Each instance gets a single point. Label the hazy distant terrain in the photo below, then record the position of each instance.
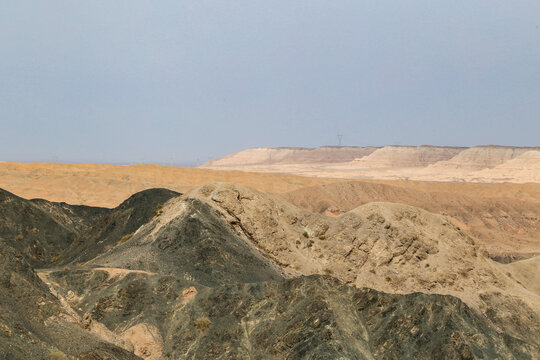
(483, 164)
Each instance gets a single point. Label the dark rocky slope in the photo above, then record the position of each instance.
(195, 243)
(33, 322)
(314, 317)
(119, 223)
(43, 230)
(185, 284)
(49, 233)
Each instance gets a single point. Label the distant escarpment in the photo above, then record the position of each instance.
(483, 157)
(425, 162)
(286, 155)
(407, 156)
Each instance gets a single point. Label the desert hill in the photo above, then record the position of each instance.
(508, 227)
(406, 156)
(220, 272)
(527, 272)
(56, 233)
(323, 154)
(424, 163)
(393, 240)
(525, 167)
(481, 157)
(190, 240)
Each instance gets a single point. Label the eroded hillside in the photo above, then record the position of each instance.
(226, 271)
(506, 224)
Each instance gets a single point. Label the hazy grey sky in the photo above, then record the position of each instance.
(162, 81)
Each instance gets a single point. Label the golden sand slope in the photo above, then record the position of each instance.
(109, 185)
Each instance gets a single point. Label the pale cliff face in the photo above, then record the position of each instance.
(525, 168)
(425, 163)
(407, 156)
(481, 157)
(268, 156)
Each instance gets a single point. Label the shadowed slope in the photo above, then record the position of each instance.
(311, 317)
(42, 230)
(56, 233)
(191, 241)
(119, 224)
(35, 325)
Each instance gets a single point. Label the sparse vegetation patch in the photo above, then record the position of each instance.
(202, 324)
(125, 238)
(158, 211)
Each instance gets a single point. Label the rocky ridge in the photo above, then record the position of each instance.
(389, 247)
(221, 273)
(508, 228)
(34, 324)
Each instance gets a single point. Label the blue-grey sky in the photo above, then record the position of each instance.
(181, 81)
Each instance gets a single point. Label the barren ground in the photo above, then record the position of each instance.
(504, 217)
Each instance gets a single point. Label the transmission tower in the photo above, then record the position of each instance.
(340, 137)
